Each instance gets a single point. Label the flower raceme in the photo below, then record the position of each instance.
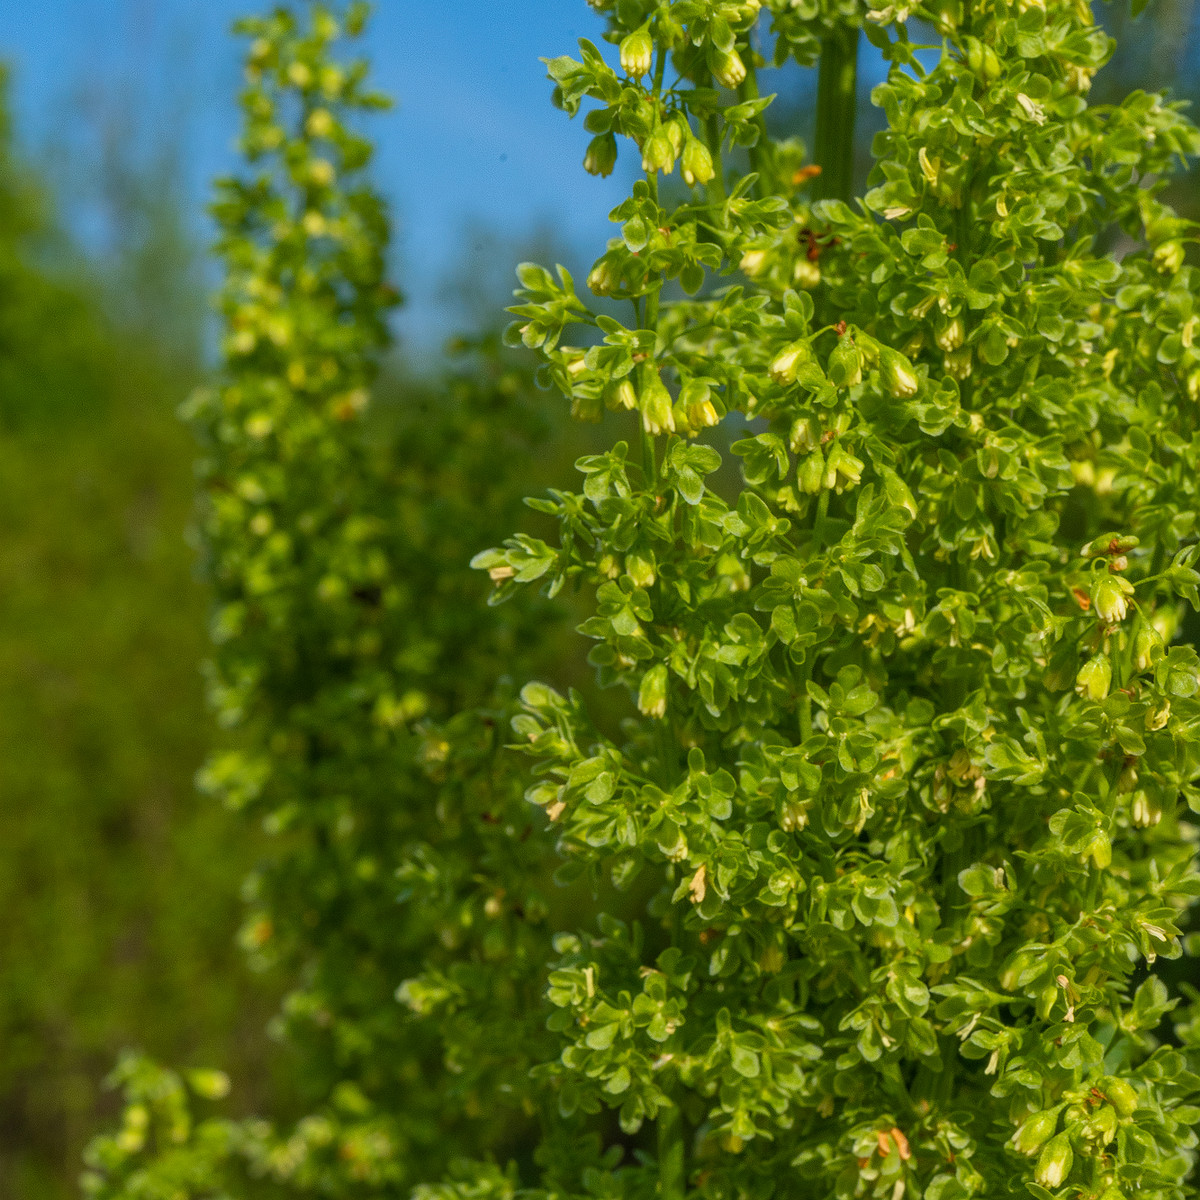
(912, 739)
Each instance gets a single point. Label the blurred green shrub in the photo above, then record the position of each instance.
(117, 883)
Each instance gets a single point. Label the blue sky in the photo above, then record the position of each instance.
(473, 137)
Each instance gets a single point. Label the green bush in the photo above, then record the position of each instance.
(119, 885)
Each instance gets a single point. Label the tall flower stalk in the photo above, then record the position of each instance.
(360, 683)
(902, 792)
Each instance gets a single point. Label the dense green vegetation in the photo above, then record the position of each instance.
(118, 883)
(856, 874)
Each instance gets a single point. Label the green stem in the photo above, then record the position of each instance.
(749, 91)
(671, 1183)
(712, 137)
(833, 146)
(650, 308)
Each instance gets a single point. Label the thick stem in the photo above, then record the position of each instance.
(671, 1183)
(650, 309)
(833, 146)
(749, 91)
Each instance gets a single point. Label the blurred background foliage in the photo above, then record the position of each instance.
(118, 883)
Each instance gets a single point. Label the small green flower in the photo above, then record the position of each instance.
(1055, 1161)
(1094, 678)
(601, 155)
(637, 53)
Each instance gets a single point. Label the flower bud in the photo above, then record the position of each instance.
(1094, 678)
(658, 154)
(640, 568)
(957, 364)
(1168, 257)
(620, 395)
(811, 474)
(1035, 1130)
(1054, 1163)
(727, 67)
(783, 366)
(1110, 596)
(677, 133)
(321, 172)
(696, 399)
(752, 262)
(1158, 716)
(320, 123)
(657, 416)
(601, 155)
(1144, 645)
(849, 469)
(793, 815)
(845, 364)
(951, 335)
(806, 273)
(698, 165)
(587, 405)
(604, 278)
(300, 75)
(1143, 811)
(652, 695)
(637, 53)
(805, 435)
(1121, 1095)
(897, 373)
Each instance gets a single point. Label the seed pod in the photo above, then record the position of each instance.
(1108, 544)
(974, 55)
(637, 53)
(1054, 1163)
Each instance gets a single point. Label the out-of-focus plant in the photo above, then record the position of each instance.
(103, 845)
(361, 680)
